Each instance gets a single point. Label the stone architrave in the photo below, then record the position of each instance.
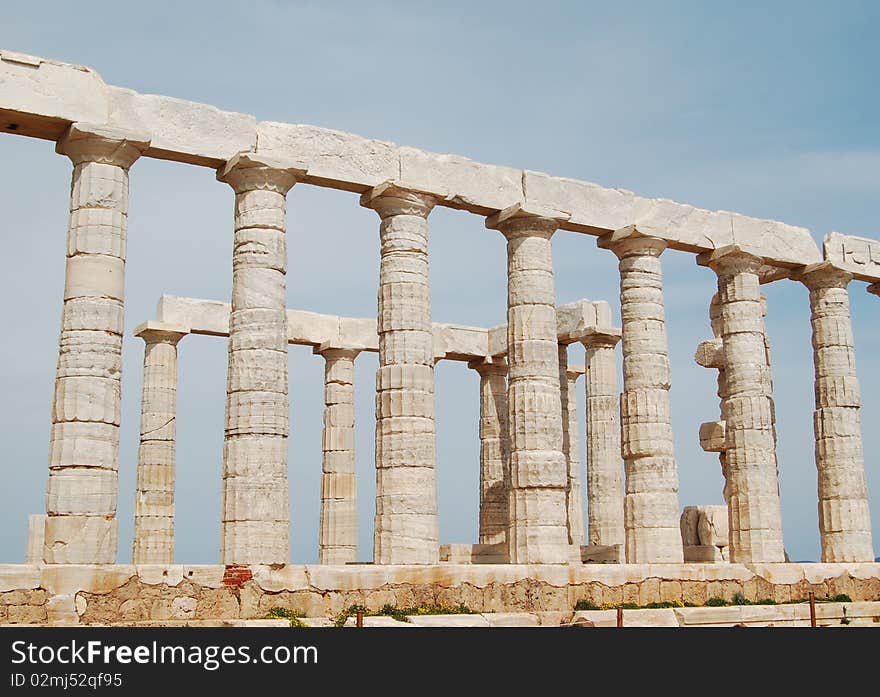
(651, 514)
(255, 507)
(570, 442)
(154, 498)
(337, 541)
(406, 529)
(746, 409)
(844, 514)
(81, 524)
(538, 532)
(494, 452)
(605, 493)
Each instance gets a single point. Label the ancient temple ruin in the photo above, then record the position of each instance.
(532, 478)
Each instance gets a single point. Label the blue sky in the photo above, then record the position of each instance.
(764, 110)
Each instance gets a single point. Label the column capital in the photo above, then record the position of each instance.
(390, 198)
(630, 241)
(605, 339)
(86, 142)
(330, 352)
(874, 289)
(153, 332)
(824, 274)
(520, 220)
(249, 171)
(731, 259)
(489, 366)
(573, 372)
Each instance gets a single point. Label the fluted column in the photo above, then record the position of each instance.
(256, 522)
(570, 447)
(81, 525)
(154, 498)
(755, 518)
(337, 543)
(605, 493)
(844, 514)
(651, 514)
(406, 486)
(538, 532)
(494, 451)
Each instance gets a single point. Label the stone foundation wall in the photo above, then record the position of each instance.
(75, 594)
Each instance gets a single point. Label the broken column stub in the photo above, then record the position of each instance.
(153, 541)
(337, 541)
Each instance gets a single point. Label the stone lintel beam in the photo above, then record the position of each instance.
(42, 96)
(858, 255)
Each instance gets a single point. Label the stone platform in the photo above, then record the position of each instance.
(101, 594)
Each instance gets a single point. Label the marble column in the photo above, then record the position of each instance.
(494, 452)
(255, 507)
(570, 447)
(406, 487)
(844, 515)
(651, 514)
(538, 532)
(154, 498)
(337, 542)
(81, 525)
(755, 518)
(605, 494)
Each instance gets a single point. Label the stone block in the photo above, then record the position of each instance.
(463, 183)
(334, 158)
(184, 131)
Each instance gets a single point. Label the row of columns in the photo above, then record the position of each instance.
(82, 489)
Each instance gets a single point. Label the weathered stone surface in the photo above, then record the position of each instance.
(858, 255)
(334, 158)
(713, 436)
(36, 533)
(199, 134)
(460, 182)
(42, 97)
